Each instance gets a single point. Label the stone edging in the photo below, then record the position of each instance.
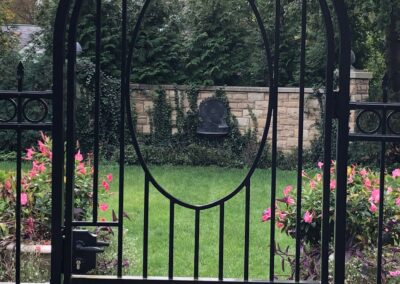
(239, 89)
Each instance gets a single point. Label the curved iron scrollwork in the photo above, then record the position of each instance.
(8, 110)
(35, 110)
(131, 128)
(375, 120)
(372, 119)
(393, 122)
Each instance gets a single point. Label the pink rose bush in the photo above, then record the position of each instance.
(36, 193)
(362, 205)
(363, 201)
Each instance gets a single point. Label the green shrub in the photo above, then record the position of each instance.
(36, 193)
(362, 213)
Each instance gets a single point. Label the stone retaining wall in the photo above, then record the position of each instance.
(241, 99)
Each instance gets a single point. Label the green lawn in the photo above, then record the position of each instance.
(198, 185)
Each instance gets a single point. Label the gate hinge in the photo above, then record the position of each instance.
(63, 248)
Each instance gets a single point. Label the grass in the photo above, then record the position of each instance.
(195, 185)
(198, 185)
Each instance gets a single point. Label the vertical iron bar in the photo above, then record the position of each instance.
(124, 91)
(171, 240)
(221, 241)
(20, 77)
(71, 140)
(196, 244)
(300, 136)
(146, 227)
(329, 102)
(274, 93)
(97, 113)
(381, 188)
(343, 112)
(247, 232)
(18, 204)
(57, 183)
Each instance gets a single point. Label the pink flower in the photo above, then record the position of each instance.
(319, 177)
(394, 273)
(332, 185)
(103, 207)
(8, 185)
(308, 217)
(373, 208)
(375, 196)
(282, 216)
(389, 190)
(81, 169)
(42, 148)
(105, 185)
(24, 199)
(29, 154)
(287, 190)
(320, 165)
(288, 200)
(266, 215)
(396, 173)
(363, 172)
(110, 177)
(44, 137)
(33, 173)
(78, 156)
(398, 201)
(350, 179)
(41, 168)
(280, 225)
(367, 182)
(312, 184)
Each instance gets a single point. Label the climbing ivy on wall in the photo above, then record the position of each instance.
(161, 117)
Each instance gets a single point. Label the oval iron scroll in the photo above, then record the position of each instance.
(273, 94)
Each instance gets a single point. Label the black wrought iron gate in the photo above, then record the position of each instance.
(337, 107)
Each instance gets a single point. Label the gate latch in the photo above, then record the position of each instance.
(84, 250)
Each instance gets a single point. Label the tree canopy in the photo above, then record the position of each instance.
(217, 42)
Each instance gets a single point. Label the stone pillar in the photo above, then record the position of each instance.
(359, 91)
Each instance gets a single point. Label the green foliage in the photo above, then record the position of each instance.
(363, 199)
(36, 192)
(162, 112)
(191, 120)
(109, 109)
(219, 41)
(180, 112)
(110, 35)
(160, 47)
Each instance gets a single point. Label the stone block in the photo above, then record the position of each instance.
(146, 129)
(142, 121)
(139, 107)
(237, 96)
(252, 97)
(237, 113)
(243, 122)
(261, 105)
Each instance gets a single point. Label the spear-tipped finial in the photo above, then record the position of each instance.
(20, 75)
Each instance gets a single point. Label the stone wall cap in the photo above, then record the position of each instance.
(360, 74)
(239, 89)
